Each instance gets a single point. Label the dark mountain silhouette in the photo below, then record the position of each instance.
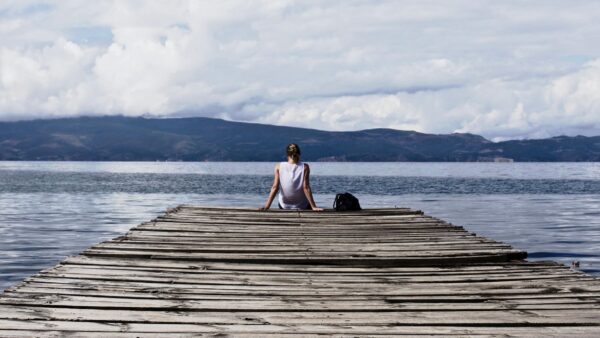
(207, 139)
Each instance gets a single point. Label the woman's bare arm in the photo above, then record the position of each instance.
(307, 190)
(274, 189)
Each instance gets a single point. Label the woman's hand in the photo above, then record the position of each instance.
(263, 208)
(317, 209)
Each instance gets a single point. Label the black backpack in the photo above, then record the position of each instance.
(346, 202)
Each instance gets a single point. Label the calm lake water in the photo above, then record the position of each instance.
(49, 210)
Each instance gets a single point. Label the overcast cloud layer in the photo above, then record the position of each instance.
(503, 69)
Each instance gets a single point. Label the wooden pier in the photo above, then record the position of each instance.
(214, 272)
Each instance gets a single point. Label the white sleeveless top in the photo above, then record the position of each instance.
(291, 182)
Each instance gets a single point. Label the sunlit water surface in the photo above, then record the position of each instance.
(49, 210)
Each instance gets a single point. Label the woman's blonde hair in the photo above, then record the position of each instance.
(293, 151)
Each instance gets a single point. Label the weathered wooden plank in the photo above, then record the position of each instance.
(130, 292)
(313, 279)
(493, 317)
(408, 224)
(391, 276)
(550, 332)
(107, 292)
(490, 287)
(455, 255)
(317, 291)
(450, 235)
(462, 244)
(273, 304)
(497, 289)
(294, 248)
(259, 324)
(278, 212)
(275, 242)
(325, 273)
(228, 254)
(101, 261)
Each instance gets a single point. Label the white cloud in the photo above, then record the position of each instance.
(504, 70)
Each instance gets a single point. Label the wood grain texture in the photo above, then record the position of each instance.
(205, 272)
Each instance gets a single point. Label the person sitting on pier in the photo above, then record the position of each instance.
(292, 183)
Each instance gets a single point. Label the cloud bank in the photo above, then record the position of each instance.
(505, 70)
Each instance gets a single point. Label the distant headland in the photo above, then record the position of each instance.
(119, 138)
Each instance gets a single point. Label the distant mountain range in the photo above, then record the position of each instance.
(207, 139)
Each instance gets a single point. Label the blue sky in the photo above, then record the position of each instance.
(503, 69)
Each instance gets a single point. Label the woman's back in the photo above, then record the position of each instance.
(291, 192)
(292, 182)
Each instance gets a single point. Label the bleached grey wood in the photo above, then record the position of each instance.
(198, 271)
